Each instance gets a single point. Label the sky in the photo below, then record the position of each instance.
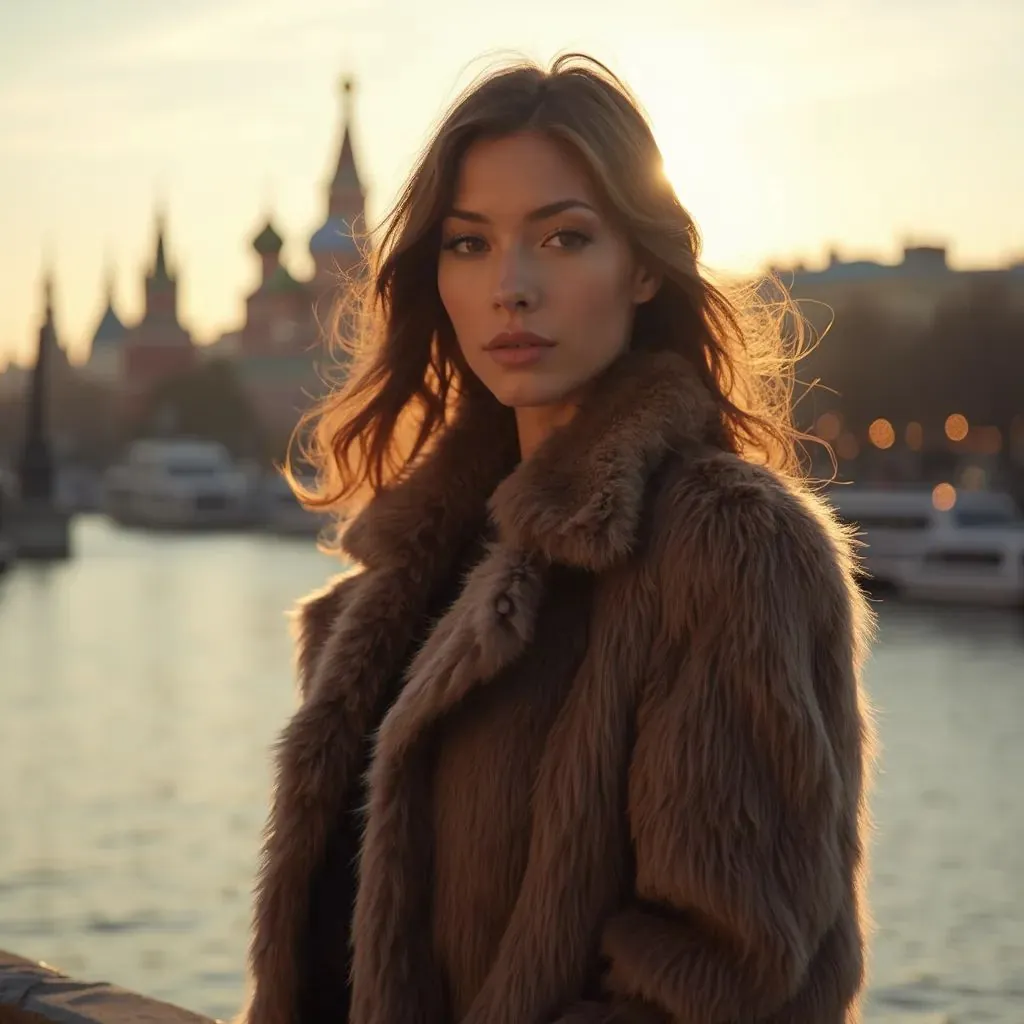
(788, 129)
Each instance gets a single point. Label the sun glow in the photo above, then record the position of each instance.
(703, 136)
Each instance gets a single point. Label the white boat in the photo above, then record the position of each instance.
(971, 551)
(177, 484)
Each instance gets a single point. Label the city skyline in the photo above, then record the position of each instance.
(105, 118)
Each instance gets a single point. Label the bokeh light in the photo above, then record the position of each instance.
(944, 496)
(882, 434)
(829, 426)
(914, 436)
(987, 440)
(847, 446)
(957, 427)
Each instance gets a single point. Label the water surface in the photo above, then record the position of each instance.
(144, 681)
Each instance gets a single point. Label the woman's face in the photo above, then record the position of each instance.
(527, 250)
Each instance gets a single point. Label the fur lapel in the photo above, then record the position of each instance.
(486, 629)
(577, 501)
(577, 863)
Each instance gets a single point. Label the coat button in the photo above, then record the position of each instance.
(503, 605)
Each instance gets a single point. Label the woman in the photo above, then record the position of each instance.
(581, 737)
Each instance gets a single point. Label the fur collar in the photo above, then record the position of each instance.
(577, 501)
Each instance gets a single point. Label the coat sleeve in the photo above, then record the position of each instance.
(745, 780)
(312, 621)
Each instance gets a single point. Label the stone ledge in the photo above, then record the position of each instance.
(35, 993)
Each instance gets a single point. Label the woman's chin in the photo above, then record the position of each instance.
(528, 393)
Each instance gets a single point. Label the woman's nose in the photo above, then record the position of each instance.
(516, 289)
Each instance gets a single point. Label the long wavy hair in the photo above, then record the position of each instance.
(402, 369)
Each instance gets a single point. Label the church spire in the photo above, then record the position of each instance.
(36, 466)
(48, 295)
(109, 281)
(160, 269)
(346, 188)
(48, 331)
(333, 245)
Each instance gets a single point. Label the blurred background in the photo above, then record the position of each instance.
(177, 182)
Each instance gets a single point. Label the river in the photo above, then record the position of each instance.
(144, 680)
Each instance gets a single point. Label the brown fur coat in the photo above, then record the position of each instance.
(690, 803)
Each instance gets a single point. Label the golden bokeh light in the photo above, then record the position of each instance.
(944, 496)
(914, 436)
(882, 434)
(847, 446)
(957, 427)
(987, 440)
(828, 426)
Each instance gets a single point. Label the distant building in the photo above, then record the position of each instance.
(275, 351)
(105, 364)
(332, 245)
(157, 346)
(911, 289)
(16, 382)
(279, 313)
(281, 343)
(13, 381)
(227, 346)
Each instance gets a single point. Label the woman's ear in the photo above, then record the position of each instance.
(646, 283)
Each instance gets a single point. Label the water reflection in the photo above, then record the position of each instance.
(145, 680)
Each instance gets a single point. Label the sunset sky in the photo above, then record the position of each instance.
(787, 128)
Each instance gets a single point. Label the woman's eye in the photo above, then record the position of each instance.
(465, 244)
(568, 239)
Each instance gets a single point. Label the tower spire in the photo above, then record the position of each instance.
(36, 466)
(348, 86)
(49, 327)
(346, 177)
(160, 268)
(110, 277)
(333, 244)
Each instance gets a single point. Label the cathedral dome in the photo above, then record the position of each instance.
(268, 242)
(335, 235)
(110, 331)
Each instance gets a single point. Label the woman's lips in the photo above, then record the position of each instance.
(518, 349)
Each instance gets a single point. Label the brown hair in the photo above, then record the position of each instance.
(406, 371)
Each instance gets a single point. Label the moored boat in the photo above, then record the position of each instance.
(939, 545)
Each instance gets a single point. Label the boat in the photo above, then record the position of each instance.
(942, 545)
(177, 483)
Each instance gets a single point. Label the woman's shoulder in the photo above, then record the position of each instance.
(720, 513)
(317, 610)
(314, 616)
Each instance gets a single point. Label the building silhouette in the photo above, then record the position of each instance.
(106, 349)
(275, 350)
(911, 291)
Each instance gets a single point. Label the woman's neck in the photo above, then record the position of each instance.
(535, 424)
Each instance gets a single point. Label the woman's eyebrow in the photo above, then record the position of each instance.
(541, 213)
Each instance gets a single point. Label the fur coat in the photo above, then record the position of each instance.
(676, 836)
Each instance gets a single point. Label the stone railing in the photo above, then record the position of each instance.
(35, 993)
